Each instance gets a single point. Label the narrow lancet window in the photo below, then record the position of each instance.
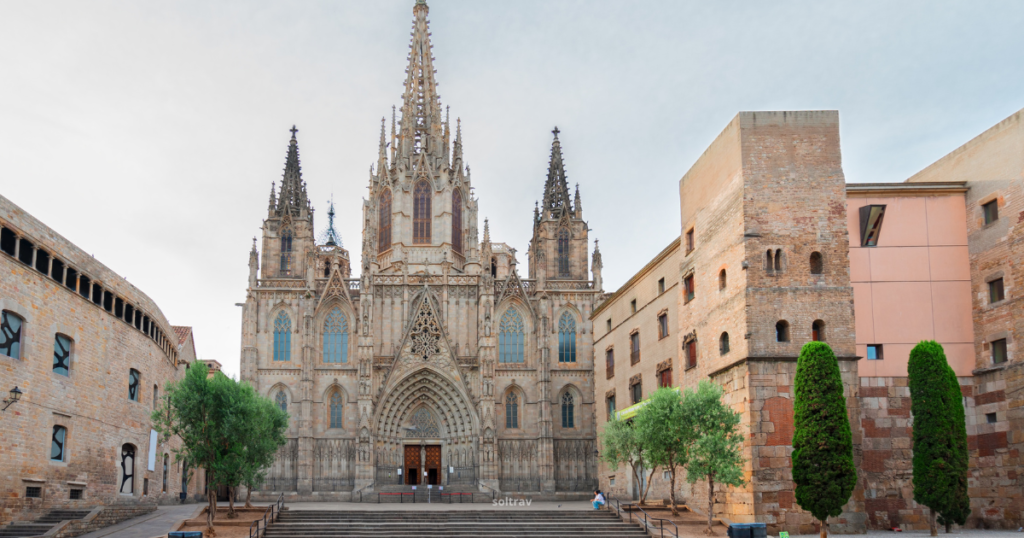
(421, 214)
(286, 252)
(563, 252)
(335, 337)
(336, 409)
(384, 222)
(512, 411)
(567, 338)
(568, 410)
(457, 221)
(282, 337)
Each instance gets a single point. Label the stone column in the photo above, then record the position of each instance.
(545, 443)
(305, 482)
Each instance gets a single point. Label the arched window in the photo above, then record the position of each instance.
(384, 221)
(723, 344)
(282, 337)
(778, 259)
(336, 409)
(568, 410)
(281, 400)
(457, 221)
(769, 266)
(60, 434)
(782, 331)
(127, 469)
(721, 280)
(567, 338)
(10, 334)
(817, 264)
(511, 410)
(421, 214)
(335, 337)
(563, 252)
(511, 336)
(818, 331)
(286, 251)
(134, 380)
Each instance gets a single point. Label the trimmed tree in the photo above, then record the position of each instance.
(620, 444)
(663, 430)
(939, 469)
(264, 438)
(716, 450)
(823, 468)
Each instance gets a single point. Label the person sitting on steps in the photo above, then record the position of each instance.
(598, 499)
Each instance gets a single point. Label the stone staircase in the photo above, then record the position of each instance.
(507, 523)
(41, 525)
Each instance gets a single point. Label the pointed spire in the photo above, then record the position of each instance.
(394, 146)
(330, 236)
(577, 204)
(487, 232)
(556, 191)
(382, 150)
(293, 189)
(273, 196)
(457, 149)
(421, 105)
(596, 259)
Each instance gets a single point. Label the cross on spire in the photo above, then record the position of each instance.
(293, 130)
(556, 131)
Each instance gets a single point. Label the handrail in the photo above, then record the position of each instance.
(647, 525)
(273, 511)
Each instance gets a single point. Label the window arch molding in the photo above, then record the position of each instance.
(274, 394)
(513, 328)
(335, 404)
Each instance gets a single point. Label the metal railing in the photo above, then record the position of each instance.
(272, 513)
(647, 520)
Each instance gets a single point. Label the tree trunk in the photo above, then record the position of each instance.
(824, 527)
(211, 510)
(643, 498)
(248, 496)
(932, 523)
(231, 503)
(949, 526)
(672, 491)
(711, 504)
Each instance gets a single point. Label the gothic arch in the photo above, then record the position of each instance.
(278, 387)
(513, 390)
(525, 316)
(320, 317)
(455, 412)
(570, 400)
(327, 401)
(335, 387)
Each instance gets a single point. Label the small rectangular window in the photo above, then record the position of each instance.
(662, 326)
(999, 351)
(133, 384)
(636, 392)
(875, 352)
(76, 495)
(871, 224)
(691, 354)
(34, 492)
(57, 443)
(995, 291)
(991, 211)
(689, 288)
(665, 378)
(611, 407)
(145, 486)
(62, 355)
(609, 358)
(990, 418)
(611, 482)
(634, 348)
(632, 306)
(661, 285)
(689, 241)
(609, 323)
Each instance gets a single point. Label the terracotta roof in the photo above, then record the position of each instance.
(182, 334)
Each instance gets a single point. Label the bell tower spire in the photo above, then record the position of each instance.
(556, 190)
(421, 127)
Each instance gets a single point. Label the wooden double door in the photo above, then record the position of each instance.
(422, 464)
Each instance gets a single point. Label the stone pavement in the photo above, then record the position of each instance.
(152, 524)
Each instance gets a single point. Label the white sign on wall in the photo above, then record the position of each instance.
(152, 450)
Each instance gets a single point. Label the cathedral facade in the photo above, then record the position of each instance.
(440, 363)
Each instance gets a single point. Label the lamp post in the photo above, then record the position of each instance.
(15, 397)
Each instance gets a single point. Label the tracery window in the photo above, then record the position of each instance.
(457, 221)
(335, 337)
(421, 214)
(282, 337)
(568, 410)
(384, 221)
(423, 424)
(133, 384)
(336, 409)
(127, 469)
(62, 355)
(60, 434)
(511, 336)
(281, 400)
(563, 252)
(10, 334)
(512, 410)
(567, 338)
(286, 251)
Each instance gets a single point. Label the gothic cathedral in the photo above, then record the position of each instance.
(439, 364)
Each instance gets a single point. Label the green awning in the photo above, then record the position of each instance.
(632, 410)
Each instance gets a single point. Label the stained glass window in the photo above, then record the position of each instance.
(282, 400)
(457, 221)
(384, 222)
(60, 434)
(133, 384)
(421, 214)
(282, 337)
(563, 252)
(512, 410)
(511, 336)
(423, 424)
(568, 410)
(336, 409)
(335, 337)
(10, 335)
(567, 338)
(62, 354)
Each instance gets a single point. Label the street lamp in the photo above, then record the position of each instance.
(15, 397)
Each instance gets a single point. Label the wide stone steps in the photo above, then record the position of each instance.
(56, 516)
(41, 525)
(507, 523)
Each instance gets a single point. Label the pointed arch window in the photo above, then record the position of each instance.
(511, 336)
(127, 468)
(567, 338)
(457, 221)
(282, 337)
(384, 221)
(281, 400)
(568, 410)
(286, 251)
(336, 409)
(421, 214)
(335, 337)
(563, 252)
(512, 410)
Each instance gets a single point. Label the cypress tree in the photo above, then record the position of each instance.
(823, 468)
(940, 435)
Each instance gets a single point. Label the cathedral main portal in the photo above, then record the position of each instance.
(423, 464)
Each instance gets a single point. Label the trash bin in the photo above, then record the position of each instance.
(183, 534)
(758, 530)
(736, 530)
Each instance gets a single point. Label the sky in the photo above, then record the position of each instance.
(148, 133)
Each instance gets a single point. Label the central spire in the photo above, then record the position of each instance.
(421, 126)
(556, 189)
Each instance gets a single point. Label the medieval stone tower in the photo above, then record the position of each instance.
(439, 364)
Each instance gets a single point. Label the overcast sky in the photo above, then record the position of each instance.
(148, 133)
